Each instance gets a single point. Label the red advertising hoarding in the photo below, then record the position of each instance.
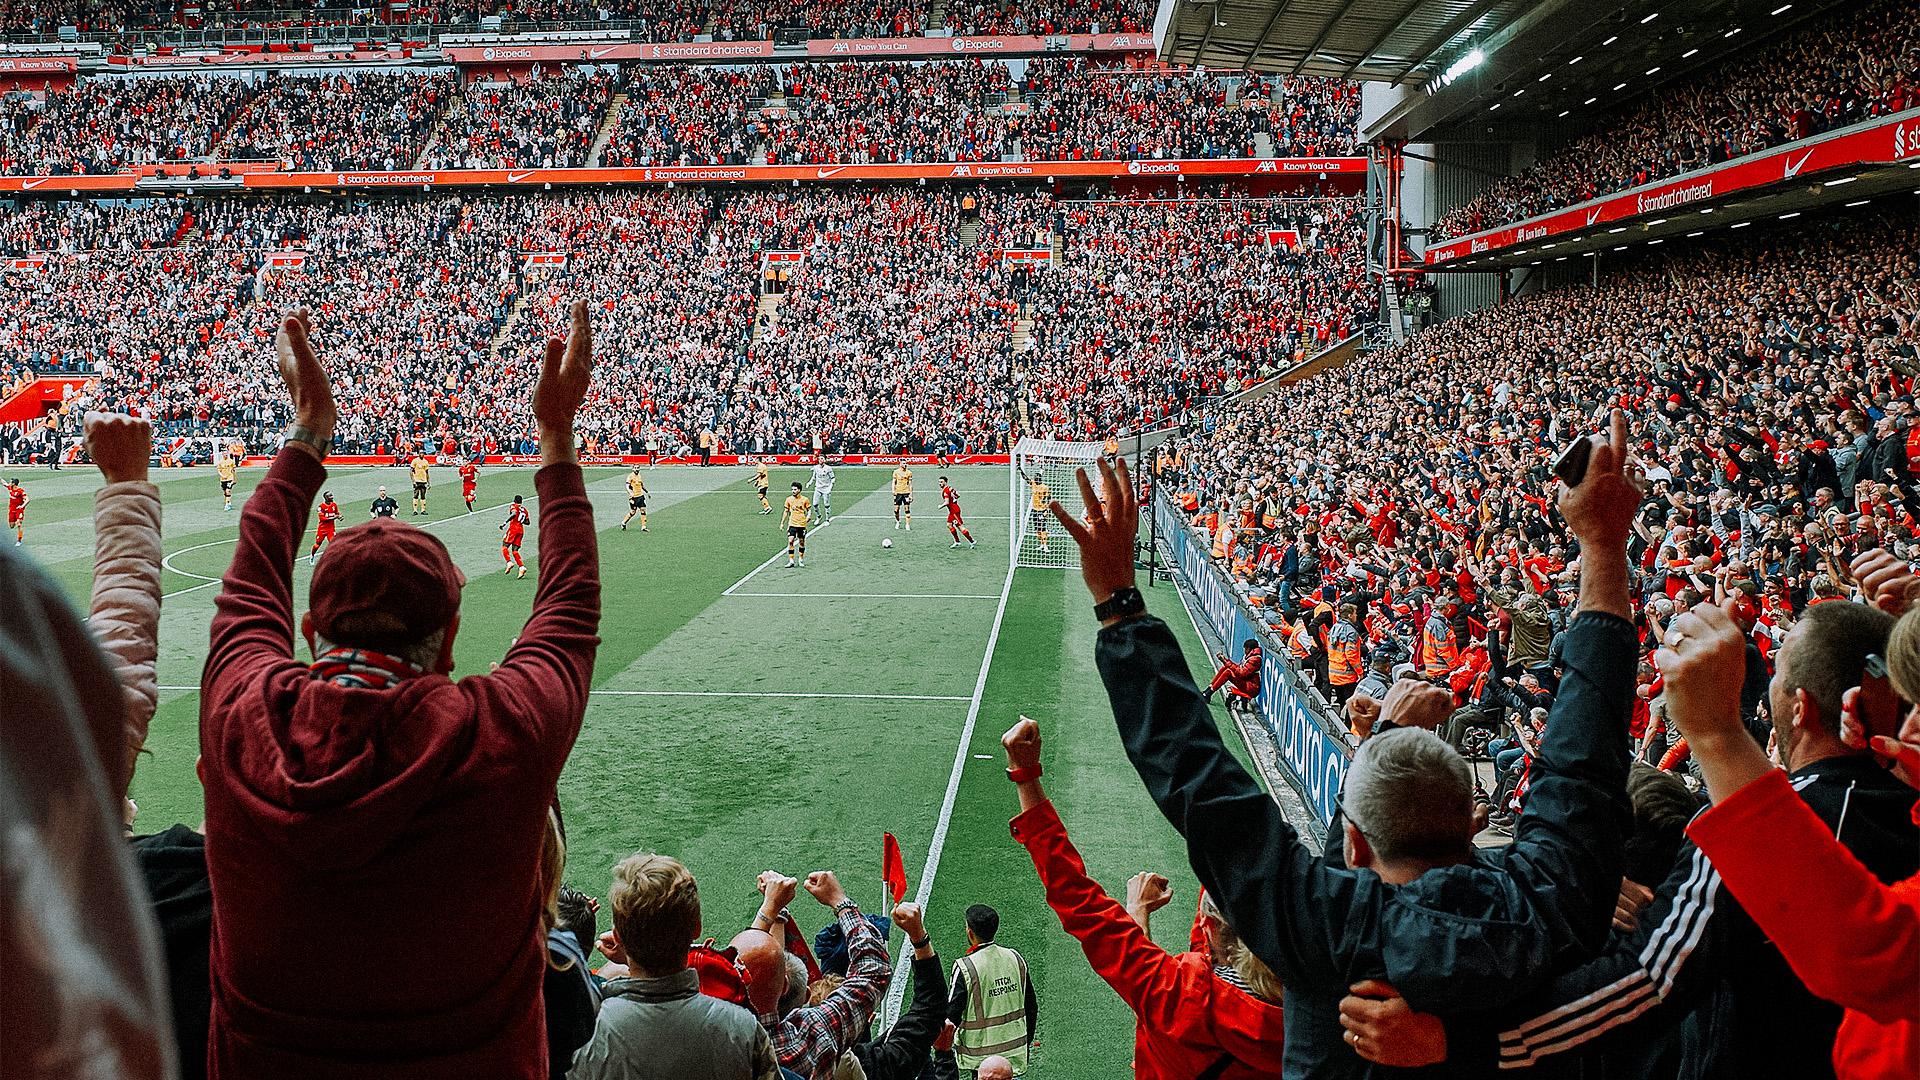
(1895, 139)
(904, 48)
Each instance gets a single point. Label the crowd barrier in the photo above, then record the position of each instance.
(1313, 755)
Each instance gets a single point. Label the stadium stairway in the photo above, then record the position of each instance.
(970, 234)
(608, 125)
(1262, 144)
(768, 315)
(433, 131)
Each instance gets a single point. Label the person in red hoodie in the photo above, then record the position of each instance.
(1852, 939)
(368, 782)
(1212, 1013)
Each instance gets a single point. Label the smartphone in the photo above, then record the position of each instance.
(1878, 706)
(1571, 466)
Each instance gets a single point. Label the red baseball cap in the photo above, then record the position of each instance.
(383, 585)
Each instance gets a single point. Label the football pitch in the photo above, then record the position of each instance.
(747, 716)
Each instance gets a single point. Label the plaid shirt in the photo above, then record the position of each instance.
(810, 1040)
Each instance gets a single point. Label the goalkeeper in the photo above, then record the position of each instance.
(1241, 680)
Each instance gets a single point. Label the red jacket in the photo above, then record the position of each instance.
(1244, 676)
(1187, 1018)
(1851, 939)
(329, 808)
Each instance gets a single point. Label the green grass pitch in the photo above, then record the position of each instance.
(749, 717)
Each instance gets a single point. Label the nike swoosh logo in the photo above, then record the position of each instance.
(516, 177)
(1593, 215)
(598, 53)
(29, 185)
(824, 173)
(1792, 168)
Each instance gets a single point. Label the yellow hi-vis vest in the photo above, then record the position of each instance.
(995, 1021)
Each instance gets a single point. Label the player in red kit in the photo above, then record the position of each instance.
(956, 525)
(516, 526)
(323, 533)
(469, 480)
(17, 510)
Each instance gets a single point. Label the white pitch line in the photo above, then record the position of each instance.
(771, 559)
(208, 582)
(897, 991)
(889, 517)
(867, 596)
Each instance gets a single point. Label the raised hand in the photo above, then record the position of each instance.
(565, 374)
(120, 445)
(823, 886)
(1887, 582)
(911, 919)
(1901, 754)
(1148, 891)
(1703, 663)
(1416, 703)
(1022, 744)
(1600, 509)
(1107, 532)
(778, 888)
(306, 380)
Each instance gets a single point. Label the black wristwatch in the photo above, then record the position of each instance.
(1122, 604)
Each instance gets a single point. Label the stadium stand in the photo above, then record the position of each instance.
(1855, 65)
(965, 110)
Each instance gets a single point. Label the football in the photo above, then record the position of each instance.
(886, 542)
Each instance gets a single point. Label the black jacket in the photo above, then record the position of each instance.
(1699, 973)
(903, 1052)
(1465, 941)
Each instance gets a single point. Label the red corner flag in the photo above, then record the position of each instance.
(892, 871)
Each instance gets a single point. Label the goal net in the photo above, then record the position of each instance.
(1043, 471)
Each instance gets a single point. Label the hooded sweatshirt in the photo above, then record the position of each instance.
(337, 815)
(1188, 1019)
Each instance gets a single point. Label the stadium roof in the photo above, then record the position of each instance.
(1539, 60)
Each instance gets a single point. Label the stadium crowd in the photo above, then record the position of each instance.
(1859, 63)
(970, 109)
(885, 331)
(1392, 512)
(649, 20)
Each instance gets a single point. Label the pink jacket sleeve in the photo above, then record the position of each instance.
(1852, 939)
(125, 616)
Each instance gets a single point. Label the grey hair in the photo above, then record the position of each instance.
(796, 993)
(1411, 796)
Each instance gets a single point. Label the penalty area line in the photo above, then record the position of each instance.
(771, 559)
(896, 992)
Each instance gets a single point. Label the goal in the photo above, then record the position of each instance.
(1037, 539)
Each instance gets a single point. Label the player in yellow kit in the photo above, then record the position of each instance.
(760, 485)
(903, 496)
(636, 499)
(418, 467)
(797, 511)
(1037, 514)
(225, 467)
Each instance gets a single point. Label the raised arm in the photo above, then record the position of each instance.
(1250, 860)
(125, 614)
(1116, 942)
(547, 674)
(254, 619)
(1568, 842)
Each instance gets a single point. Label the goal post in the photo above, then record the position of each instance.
(1043, 469)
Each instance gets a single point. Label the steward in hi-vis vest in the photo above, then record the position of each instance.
(992, 1004)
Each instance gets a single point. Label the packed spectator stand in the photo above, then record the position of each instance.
(1855, 64)
(900, 324)
(650, 20)
(396, 119)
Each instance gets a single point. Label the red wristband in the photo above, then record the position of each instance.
(1021, 776)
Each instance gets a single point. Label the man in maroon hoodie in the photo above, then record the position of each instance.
(369, 783)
